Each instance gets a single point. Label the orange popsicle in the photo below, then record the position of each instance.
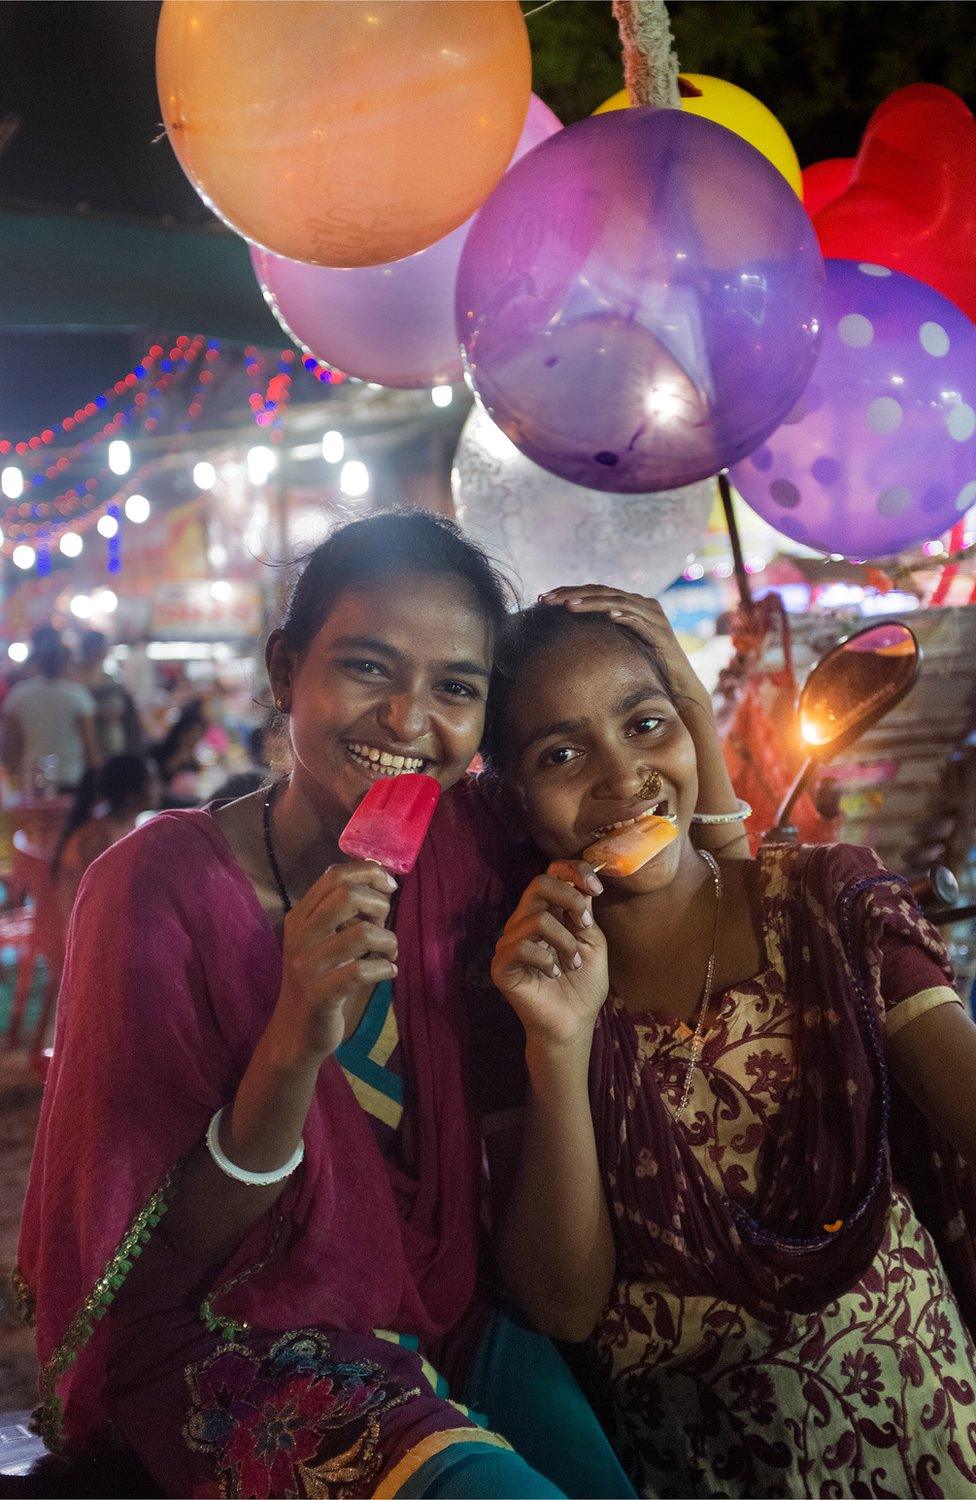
(626, 850)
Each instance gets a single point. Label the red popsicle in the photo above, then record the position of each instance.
(391, 822)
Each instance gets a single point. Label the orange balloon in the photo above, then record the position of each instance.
(343, 132)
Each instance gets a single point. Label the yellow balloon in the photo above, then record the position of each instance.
(728, 105)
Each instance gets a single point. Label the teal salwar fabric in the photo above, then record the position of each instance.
(529, 1395)
(473, 1471)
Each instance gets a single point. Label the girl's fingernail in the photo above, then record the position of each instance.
(557, 972)
(594, 885)
(577, 960)
(391, 883)
(586, 920)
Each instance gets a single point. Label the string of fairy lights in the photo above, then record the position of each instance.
(163, 396)
(41, 518)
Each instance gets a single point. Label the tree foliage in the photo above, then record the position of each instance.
(822, 66)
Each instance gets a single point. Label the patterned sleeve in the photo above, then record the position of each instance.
(906, 955)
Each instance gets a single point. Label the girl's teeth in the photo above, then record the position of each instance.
(659, 810)
(382, 763)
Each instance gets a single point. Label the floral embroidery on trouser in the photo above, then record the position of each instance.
(292, 1420)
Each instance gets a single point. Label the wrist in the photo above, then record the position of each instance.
(550, 1062)
(286, 1056)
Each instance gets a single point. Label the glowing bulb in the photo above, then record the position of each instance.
(24, 556)
(18, 651)
(354, 479)
(105, 602)
(81, 607)
(812, 732)
(12, 482)
(107, 527)
(260, 463)
(333, 447)
(221, 591)
(137, 509)
(441, 395)
(71, 544)
(119, 456)
(204, 476)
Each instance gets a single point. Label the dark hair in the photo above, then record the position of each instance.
(120, 780)
(47, 651)
(381, 546)
(92, 645)
(191, 717)
(536, 629)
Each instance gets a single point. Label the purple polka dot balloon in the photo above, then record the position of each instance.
(639, 301)
(879, 453)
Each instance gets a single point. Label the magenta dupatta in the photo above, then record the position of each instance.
(172, 973)
(828, 1159)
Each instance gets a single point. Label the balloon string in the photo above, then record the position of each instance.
(535, 11)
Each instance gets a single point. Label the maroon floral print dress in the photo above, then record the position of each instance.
(872, 1394)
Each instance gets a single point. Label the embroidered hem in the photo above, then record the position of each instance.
(46, 1417)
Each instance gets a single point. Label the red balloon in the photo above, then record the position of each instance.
(825, 181)
(911, 203)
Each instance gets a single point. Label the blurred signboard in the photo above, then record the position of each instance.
(191, 612)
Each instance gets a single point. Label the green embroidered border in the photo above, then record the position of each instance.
(228, 1328)
(24, 1299)
(47, 1416)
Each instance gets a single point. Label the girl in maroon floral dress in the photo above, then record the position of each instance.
(750, 1101)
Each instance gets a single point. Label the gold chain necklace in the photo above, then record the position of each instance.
(696, 1041)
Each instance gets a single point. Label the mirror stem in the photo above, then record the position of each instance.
(791, 799)
(738, 561)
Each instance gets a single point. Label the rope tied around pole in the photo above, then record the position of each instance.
(650, 60)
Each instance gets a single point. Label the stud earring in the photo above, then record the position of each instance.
(652, 786)
(280, 705)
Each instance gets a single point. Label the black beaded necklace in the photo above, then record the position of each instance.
(269, 848)
(275, 868)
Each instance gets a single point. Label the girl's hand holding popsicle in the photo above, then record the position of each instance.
(551, 960)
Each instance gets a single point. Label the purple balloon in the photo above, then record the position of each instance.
(639, 301)
(393, 324)
(879, 452)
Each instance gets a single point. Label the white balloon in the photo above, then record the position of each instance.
(545, 531)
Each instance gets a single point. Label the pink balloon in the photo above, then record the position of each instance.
(392, 324)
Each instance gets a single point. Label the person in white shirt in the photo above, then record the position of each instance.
(49, 721)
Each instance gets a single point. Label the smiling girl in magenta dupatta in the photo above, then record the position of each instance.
(253, 1212)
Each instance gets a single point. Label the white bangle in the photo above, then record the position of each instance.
(253, 1179)
(711, 820)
